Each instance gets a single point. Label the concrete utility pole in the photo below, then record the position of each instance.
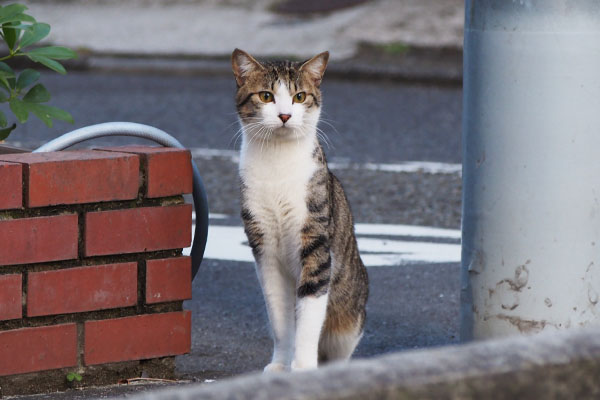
(531, 167)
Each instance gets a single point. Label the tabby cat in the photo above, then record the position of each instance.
(296, 215)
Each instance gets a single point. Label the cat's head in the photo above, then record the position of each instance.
(280, 99)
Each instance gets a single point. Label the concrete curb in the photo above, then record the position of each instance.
(420, 66)
(549, 365)
(440, 67)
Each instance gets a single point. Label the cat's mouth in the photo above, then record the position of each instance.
(285, 130)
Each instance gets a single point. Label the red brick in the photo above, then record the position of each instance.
(38, 349)
(81, 289)
(168, 169)
(40, 239)
(10, 296)
(168, 279)
(73, 177)
(137, 230)
(11, 184)
(137, 338)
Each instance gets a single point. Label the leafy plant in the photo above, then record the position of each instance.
(394, 47)
(74, 376)
(21, 90)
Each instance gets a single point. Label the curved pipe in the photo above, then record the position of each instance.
(146, 132)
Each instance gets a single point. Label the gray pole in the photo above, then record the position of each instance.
(531, 166)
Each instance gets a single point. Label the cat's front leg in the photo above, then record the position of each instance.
(311, 302)
(278, 290)
(310, 316)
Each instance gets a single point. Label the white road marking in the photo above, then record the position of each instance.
(229, 243)
(428, 167)
(212, 216)
(201, 152)
(406, 230)
(406, 167)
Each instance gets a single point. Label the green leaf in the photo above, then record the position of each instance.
(40, 113)
(53, 65)
(9, 11)
(37, 32)
(25, 18)
(3, 121)
(19, 108)
(6, 68)
(4, 84)
(27, 77)
(6, 131)
(19, 27)
(37, 94)
(7, 76)
(74, 376)
(10, 35)
(54, 52)
(47, 113)
(3, 98)
(18, 19)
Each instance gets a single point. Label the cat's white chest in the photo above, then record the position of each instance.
(275, 191)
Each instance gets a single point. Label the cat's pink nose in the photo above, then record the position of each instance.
(285, 117)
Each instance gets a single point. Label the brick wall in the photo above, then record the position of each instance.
(91, 271)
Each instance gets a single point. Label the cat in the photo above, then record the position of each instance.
(296, 215)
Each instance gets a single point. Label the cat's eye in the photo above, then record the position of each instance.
(265, 97)
(299, 97)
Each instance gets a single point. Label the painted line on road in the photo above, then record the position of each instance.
(406, 230)
(212, 216)
(229, 243)
(428, 167)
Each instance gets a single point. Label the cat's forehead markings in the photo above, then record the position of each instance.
(282, 90)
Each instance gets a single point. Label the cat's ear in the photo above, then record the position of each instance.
(315, 67)
(243, 64)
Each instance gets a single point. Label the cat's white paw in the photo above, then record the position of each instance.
(303, 366)
(274, 367)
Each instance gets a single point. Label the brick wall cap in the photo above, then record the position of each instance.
(59, 156)
(8, 163)
(142, 149)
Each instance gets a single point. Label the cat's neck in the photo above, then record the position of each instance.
(269, 158)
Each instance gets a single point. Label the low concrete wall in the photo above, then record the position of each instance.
(549, 365)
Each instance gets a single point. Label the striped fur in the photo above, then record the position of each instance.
(297, 217)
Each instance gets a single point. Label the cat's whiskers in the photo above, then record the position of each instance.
(268, 136)
(240, 132)
(259, 135)
(323, 136)
(325, 121)
(262, 141)
(236, 136)
(252, 131)
(320, 135)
